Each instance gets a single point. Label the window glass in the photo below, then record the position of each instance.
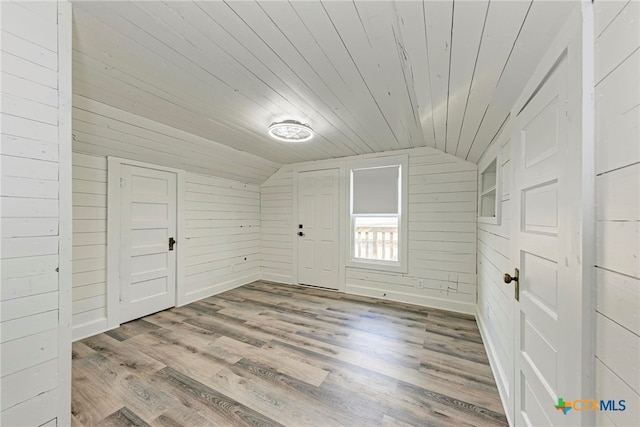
(376, 237)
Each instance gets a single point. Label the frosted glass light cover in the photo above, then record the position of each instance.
(291, 131)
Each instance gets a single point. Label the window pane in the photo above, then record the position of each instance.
(376, 238)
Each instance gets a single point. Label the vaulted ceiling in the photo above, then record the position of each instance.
(367, 76)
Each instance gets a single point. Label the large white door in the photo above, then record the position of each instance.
(318, 215)
(544, 356)
(147, 226)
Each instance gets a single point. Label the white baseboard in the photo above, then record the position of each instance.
(90, 329)
(431, 302)
(100, 325)
(217, 288)
(442, 304)
(278, 278)
(493, 363)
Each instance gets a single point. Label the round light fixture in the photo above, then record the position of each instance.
(291, 131)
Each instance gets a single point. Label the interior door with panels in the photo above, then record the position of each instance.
(148, 223)
(543, 354)
(318, 237)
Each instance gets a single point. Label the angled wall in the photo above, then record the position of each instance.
(103, 130)
(442, 234)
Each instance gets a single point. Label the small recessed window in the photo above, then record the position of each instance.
(489, 191)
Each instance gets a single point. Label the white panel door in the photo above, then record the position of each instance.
(318, 212)
(542, 356)
(147, 223)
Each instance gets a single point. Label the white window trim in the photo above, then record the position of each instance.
(493, 153)
(401, 266)
(498, 190)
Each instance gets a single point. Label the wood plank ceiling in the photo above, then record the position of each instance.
(367, 76)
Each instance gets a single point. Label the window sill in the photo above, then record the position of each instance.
(488, 220)
(378, 265)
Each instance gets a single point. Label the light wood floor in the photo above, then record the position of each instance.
(269, 354)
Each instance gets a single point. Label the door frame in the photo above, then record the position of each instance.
(114, 173)
(342, 221)
(576, 41)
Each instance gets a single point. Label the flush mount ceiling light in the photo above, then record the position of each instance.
(291, 131)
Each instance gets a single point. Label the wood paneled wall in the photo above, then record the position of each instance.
(276, 219)
(103, 130)
(89, 245)
(617, 121)
(222, 232)
(35, 344)
(222, 235)
(442, 235)
(494, 311)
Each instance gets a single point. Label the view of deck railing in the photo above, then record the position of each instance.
(380, 243)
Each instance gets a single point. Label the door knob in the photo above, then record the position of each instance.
(508, 278)
(172, 242)
(300, 233)
(515, 278)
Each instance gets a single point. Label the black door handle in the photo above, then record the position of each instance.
(172, 242)
(300, 233)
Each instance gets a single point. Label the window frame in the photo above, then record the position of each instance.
(492, 156)
(401, 265)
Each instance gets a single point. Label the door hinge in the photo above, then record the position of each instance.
(123, 183)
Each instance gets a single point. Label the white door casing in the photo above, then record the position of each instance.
(148, 219)
(318, 212)
(549, 317)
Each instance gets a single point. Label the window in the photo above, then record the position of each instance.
(378, 213)
(489, 190)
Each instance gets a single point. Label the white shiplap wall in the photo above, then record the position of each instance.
(35, 202)
(442, 234)
(617, 121)
(89, 245)
(442, 237)
(617, 89)
(494, 311)
(222, 226)
(222, 235)
(276, 219)
(102, 130)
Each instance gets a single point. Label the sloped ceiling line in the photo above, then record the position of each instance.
(368, 76)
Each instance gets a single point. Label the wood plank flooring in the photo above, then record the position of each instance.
(279, 355)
